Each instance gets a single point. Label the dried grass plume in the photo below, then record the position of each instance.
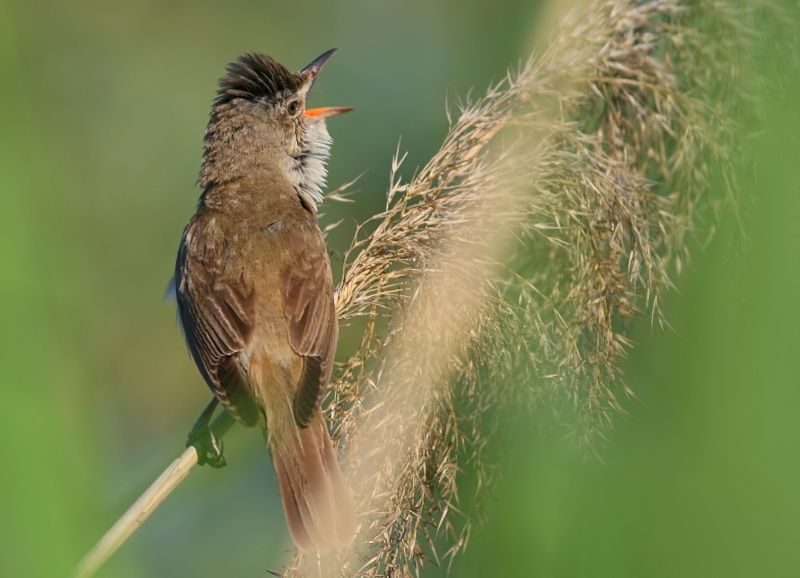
(505, 271)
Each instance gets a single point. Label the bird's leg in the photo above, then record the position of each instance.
(208, 446)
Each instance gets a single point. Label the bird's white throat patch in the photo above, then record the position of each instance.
(309, 169)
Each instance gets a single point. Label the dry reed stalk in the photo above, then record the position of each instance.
(505, 270)
(145, 505)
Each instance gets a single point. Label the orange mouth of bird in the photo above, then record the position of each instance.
(326, 111)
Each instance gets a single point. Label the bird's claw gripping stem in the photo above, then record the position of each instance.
(208, 445)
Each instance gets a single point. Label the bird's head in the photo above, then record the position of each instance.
(260, 121)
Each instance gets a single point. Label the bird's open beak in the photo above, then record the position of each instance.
(316, 65)
(326, 111)
(311, 71)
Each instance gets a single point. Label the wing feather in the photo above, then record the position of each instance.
(310, 311)
(218, 315)
(217, 318)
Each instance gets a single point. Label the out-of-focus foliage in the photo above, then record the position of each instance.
(102, 112)
(701, 478)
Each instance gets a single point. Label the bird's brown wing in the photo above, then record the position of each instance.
(217, 315)
(311, 315)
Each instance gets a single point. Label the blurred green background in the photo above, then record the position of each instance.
(103, 110)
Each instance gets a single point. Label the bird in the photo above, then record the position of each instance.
(254, 286)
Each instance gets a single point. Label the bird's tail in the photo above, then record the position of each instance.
(316, 499)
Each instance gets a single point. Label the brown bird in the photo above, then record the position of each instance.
(254, 288)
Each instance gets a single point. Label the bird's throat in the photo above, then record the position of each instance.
(308, 170)
(239, 155)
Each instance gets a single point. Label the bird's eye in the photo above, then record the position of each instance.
(293, 108)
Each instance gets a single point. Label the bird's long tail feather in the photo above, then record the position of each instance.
(316, 499)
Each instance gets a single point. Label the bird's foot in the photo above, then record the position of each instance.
(208, 446)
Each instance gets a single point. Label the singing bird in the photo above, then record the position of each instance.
(254, 287)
